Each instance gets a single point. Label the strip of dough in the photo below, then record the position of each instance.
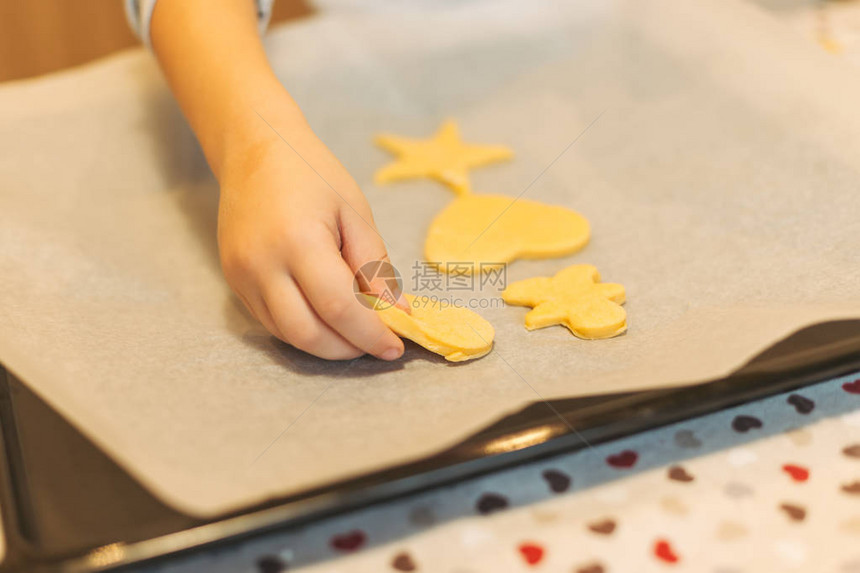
(455, 332)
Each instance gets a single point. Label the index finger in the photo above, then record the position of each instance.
(327, 282)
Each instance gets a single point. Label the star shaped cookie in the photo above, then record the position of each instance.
(574, 297)
(443, 157)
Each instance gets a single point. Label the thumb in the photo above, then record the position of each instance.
(365, 252)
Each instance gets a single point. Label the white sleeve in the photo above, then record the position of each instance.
(139, 15)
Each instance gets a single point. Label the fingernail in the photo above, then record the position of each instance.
(391, 354)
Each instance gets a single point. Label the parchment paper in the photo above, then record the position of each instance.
(720, 180)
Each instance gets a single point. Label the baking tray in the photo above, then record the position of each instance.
(68, 507)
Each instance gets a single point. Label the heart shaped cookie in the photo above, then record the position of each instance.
(484, 231)
(453, 331)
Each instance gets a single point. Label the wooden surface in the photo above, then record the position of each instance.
(41, 36)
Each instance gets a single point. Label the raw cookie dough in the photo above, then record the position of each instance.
(574, 297)
(484, 231)
(443, 157)
(455, 332)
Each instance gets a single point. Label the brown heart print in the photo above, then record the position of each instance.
(794, 512)
(678, 473)
(603, 527)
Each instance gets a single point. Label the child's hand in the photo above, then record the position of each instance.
(293, 227)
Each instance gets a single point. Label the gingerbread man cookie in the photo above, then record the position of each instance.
(574, 297)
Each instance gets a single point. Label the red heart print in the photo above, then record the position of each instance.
(349, 541)
(625, 459)
(663, 550)
(797, 473)
(852, 387)
(531, 552)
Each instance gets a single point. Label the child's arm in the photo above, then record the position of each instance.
(293, 226)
